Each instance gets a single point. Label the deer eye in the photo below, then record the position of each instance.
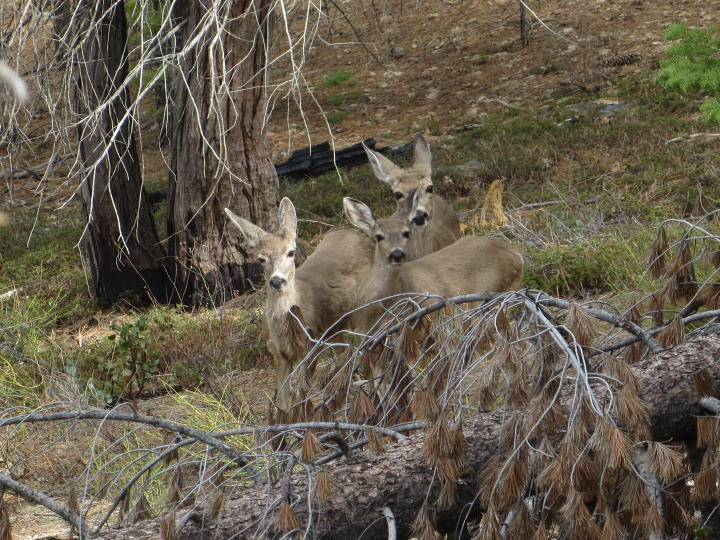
(379, 237)
(429, 189)
(398, 195)
(261, 259)
(291, 253)
(406, 234)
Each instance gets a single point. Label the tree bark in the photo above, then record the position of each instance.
(400, 478)
(121, 242)
(219, 157)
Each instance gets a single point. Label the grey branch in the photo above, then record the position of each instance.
(711, 404)
(32, 495)
(390, 517)
(98, 414)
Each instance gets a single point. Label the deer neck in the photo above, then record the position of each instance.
(280, 301)
(384, 280)
(419, 240)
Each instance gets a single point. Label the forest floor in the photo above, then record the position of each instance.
(573, 122)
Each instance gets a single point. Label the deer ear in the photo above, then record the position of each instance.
(413, 206)
(421, 153)
(250, 232)
(287, 218)
(384, 169)
(360, 215)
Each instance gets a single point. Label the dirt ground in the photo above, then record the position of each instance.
(438, 66)
(434, 67)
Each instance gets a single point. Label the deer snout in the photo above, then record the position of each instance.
(276, 282)
(397, 256)
(420, 217)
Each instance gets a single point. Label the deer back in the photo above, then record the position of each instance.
(472, 264)
(329, 280)
(469, 265)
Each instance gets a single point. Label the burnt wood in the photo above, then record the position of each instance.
(318, 158)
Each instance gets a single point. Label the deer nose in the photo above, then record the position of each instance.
(420, 217)
(276, 282)
(397, 255)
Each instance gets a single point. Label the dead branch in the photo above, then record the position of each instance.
(33, 495)
(213, 442)
(400, 479)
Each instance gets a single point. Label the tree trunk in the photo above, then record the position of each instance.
(400, 478)
(121, 242)
(219, 157)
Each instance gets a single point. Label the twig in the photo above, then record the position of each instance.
(30, 494)
(357, 34)
(465, 298)
(201, 436)
(615, 320)
(390, 518)
(534, 205)
(655, 331)
(22, 172)
(692, 137)
(128, 485)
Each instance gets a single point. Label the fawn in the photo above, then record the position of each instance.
(433, 221)
(472, 264)
(319, 292)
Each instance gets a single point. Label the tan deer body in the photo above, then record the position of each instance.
(434, 223)
(323, 289)
(472, 264)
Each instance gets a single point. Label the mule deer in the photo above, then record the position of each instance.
(472, 264)
(434, 222)
(323, 289)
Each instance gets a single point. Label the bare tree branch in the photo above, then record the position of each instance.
(51, 504)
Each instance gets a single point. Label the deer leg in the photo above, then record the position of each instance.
(283, 368)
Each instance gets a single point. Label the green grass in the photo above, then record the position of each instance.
(166, 346)
(613, 262)
(336, 117)
(338, 77)
(50, 281)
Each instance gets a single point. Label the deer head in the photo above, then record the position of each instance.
(404, 181)
(276, 252)
(391, 234)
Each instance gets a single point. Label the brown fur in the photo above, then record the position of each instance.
(473, 264)
(324, 288)
(441, 227)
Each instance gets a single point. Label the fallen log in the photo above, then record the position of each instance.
(366, 484)
(319, 158)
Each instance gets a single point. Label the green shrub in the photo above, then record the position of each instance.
(132, 363)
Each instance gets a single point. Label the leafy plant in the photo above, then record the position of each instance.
(133, 361)
(693, 65)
